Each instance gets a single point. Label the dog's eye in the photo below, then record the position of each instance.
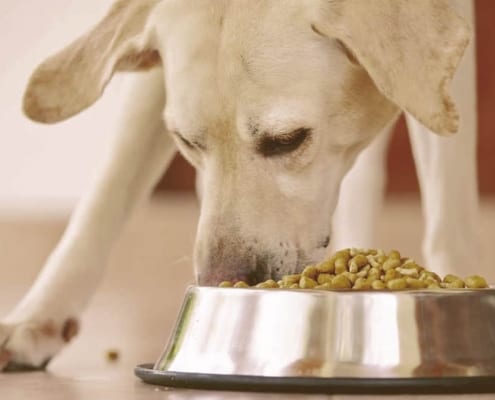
(283, 144)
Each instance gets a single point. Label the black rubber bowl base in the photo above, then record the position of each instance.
(244, 383)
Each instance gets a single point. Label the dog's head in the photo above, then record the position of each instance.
(271, 101)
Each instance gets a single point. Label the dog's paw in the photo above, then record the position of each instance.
(31, 344)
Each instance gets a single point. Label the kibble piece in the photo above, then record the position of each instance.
(361, 260)
(353, 268)
(294, 286)
(390, 275)
(326, 267)
(354, 251)
(411, 272)
(411, 265)
(374, 273)
(112, 355)
(381, 258)
(345, 254)
(414, 265)
(241, 284)
(426, 275)
(225, 284)
(373, 261)
(271, 283)
(397, 284)
(340, 265)
(378, 285)
(423, 276)
(413, 283)
(325, 278)
(362, 284)
(349, 275)
(307, 283)
(341, 282)
(310, 271)
(455, 284)
(390, 263)
(291, 279)
(357, 262)
(325, 286)
(476, 282)
(430, 281)
(394, 254)
(362, 274)
(341, 254)
(433, 286)
(366, 267)
(451, 278)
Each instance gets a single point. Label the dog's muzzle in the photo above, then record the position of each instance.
(250, 269)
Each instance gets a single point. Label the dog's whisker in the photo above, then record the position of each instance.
(183, 259)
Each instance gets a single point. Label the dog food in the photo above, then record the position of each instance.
(112, 355)
(371, 269)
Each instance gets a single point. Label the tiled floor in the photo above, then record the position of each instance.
(137, 303)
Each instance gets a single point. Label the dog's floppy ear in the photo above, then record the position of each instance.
(75, 78)
(410, 49)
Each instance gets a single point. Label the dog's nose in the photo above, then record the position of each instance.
(238, 269)
(230, 260)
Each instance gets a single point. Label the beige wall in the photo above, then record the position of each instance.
(47, 165)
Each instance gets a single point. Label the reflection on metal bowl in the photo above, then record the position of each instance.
(333, 334)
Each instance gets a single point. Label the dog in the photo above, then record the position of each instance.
(272, 102)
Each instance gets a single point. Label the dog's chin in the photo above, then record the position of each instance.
(251, 277)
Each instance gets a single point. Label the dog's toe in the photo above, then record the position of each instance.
(30, 345)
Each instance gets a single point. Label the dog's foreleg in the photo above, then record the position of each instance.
(48, 315)
(361, 197)
(448, 176)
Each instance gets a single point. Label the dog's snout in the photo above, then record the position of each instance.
(247, 267)
(232, 259)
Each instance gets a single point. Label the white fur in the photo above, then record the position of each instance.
(447, 176)
(234, 74)
(72, 272)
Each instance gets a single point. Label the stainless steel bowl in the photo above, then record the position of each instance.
(406, 335)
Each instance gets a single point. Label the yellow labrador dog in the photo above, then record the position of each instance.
(271, 101)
